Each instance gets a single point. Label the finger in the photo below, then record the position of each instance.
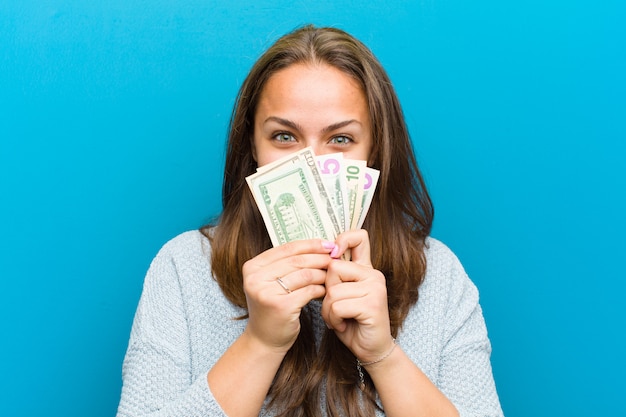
(289, 294)
(338, 294)
(358, 303)
(298, 247)
(357, 241)
(347, 281)
(256, 273)
(339, 271)
(301, 286)
(300, 279)
(300, 297)
(294, 264)
(338, 313)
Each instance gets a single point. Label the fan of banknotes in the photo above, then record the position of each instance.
(304, 196)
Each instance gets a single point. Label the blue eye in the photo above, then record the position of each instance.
(341, 140)
(284, 137)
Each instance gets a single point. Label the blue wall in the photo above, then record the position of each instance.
(112, 125)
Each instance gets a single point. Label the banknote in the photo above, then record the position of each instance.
(293, 201)
(354, 173)
(330, 170)
(371, 180)
(304, 196)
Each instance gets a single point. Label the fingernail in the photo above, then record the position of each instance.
(328, 245)
(334, 252)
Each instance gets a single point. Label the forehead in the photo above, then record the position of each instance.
(308, 85)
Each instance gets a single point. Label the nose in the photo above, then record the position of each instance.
(319, 148)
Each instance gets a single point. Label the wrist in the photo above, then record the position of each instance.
(380, 358)
(261, 346)
(373, 363)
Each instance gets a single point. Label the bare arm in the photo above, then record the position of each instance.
(405, 390)
(242, 377)
(356, 308)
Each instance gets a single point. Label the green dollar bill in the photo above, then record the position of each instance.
(354, 173)
(293, 201)
(330, 168)
(369, 187)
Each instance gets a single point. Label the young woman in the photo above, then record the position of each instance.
(228, 325)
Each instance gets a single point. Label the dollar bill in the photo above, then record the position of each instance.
(304, 196)
(371, 180)
(354, 173)
(293, 201)
(330, 168)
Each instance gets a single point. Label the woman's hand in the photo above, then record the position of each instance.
(274, 310)
(355, 305)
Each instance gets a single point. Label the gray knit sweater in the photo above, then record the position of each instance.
(184, 324)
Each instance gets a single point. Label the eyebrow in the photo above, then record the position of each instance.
(297, 127)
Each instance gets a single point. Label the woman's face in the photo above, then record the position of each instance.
(312, 105)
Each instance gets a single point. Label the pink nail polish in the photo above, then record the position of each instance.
(334, 252)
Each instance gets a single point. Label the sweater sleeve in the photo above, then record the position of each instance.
(465, 373)
(157, 378)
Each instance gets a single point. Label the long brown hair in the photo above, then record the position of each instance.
(398, 222)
